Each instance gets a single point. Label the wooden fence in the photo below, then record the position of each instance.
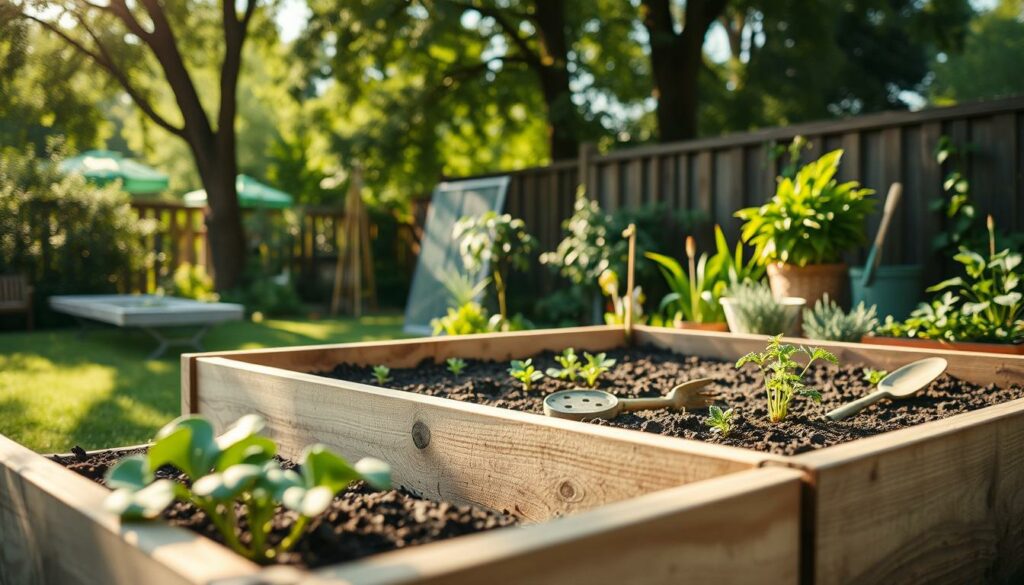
(719, 175)
(178, 236)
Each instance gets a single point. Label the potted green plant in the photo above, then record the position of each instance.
(693, 302)
(750, 307)
(983, 310)
(803, 231)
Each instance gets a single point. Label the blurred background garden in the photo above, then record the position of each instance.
(290, 156)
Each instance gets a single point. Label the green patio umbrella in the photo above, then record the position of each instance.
(106, 166)
(251, 193)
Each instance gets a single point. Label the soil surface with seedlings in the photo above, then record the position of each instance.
(650, 372)
(359, 523)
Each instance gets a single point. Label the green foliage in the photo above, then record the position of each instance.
(267, 297)
(583, 254)
(66, 235)
(498, 241)
(781, 382)
(525, 373)
(956, 205)
(472, 317)
(455, 365)
(596, 366)
(812, 219)
(463, 288)
(190, 281)
(695, 294)
(792, 153)
(757, 309)
(720, 421)
(382, 374)
(873, 376)
(570, 363)
(987, 305)
(236, 471)
(827, 321)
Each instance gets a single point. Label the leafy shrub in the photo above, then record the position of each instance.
(497, 240)
(234, 472)
(66, 235)
(781, 382)
(988, 305)
(812, 219)
(267, 296)
(757, 309)
(828, 321)
(190, 281)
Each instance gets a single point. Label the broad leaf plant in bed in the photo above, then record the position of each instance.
(781, 380)
(235, 476)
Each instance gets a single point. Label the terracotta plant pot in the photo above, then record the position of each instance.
(1003, 348)
(694, 326)
(810, 282)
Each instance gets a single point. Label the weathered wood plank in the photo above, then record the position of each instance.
(974, 367)
(467, 453)
(936, 503)
(54, 530)
(740, 529)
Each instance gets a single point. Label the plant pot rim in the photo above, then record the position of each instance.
(827, 267)
(787, 301)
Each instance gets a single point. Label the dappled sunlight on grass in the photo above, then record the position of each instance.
(58, 390)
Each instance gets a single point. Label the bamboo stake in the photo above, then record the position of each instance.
(630, 232)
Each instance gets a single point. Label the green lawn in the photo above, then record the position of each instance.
(57, 390)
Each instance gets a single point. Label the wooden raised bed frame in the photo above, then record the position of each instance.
(936, 502)
(644, 509)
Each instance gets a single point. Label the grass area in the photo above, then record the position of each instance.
(58, 390)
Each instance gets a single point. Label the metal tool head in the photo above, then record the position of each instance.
(913, 377)
(581, 404)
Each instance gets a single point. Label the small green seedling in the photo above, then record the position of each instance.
(781, 382)
(456, 366)
(235, 472)
(873, 376)
(524, 371)
(595, 366)
(720, 420)
(382, 374)
(570, 363)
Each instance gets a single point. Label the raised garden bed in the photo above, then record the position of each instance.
(639, 508)
(1007, 348)
(937, 500)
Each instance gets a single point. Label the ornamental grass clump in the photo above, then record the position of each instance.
(781, 382)
(233, 478)
(827, 321)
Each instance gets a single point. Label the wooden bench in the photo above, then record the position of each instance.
(16, 297)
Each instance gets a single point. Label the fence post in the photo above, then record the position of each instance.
(587, 152)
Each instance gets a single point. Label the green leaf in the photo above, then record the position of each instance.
(946, 284)
(811, 393)
(187, 443)
(1007, 300)
(143, 504)
(130, 473)
(228, 484)
(276, 480)
(253, 449)
(320, 467)
(174, 449)
(375, 472)
(243, 428)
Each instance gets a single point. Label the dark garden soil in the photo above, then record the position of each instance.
(647, 372)
(360, 522)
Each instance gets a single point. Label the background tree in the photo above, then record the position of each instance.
(132, 42)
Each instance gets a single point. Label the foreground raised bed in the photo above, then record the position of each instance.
(660, 512)
(939, 501)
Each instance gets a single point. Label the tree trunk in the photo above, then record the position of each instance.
(564, 123)
(224, 233)
(676, 60)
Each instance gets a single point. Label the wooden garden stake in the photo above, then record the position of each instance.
(630, 232)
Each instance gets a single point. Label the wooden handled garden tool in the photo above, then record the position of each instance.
(582, 404)
(875, 255)
(902, 383)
